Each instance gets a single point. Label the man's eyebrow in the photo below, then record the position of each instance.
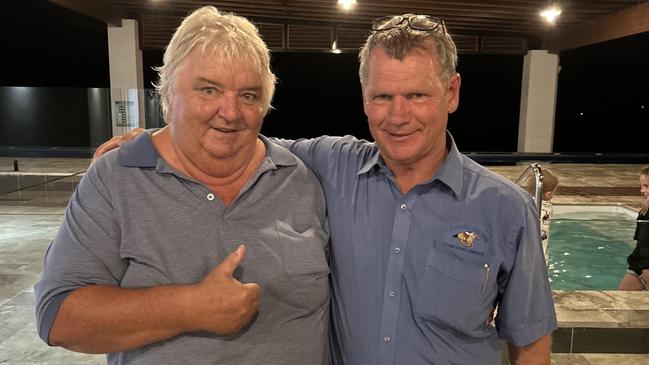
(252, 88)
(212, 82)
(256, 88)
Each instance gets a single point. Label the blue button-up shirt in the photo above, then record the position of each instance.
(417, 275)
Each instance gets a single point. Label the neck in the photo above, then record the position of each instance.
(224, 177)
(408, 176)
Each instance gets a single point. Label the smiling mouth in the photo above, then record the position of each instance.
(224, 130)
(399, 135)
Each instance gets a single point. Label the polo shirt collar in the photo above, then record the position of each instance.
(450, 173)
(278, 155)
(140, 152)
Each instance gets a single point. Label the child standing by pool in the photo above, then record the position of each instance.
(637, 276)
(549, 187)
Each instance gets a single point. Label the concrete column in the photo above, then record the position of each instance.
(126, 79)
(538, 101)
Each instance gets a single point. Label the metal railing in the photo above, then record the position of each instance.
(535, 169)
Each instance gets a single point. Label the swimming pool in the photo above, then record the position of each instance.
(588, 246)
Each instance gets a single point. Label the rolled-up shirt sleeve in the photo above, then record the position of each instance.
(85, 250)
(526, 308)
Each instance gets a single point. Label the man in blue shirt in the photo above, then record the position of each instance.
(425, 243)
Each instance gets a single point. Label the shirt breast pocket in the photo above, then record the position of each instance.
(305, 262)
(303, 253)
(452, 293)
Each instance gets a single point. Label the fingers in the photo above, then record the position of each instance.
(228, 304)
(115, 142)
(254, 291)
(132, 134)
(232, 261)
(106, 146)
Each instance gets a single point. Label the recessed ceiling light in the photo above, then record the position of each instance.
(347, 4)
(550, 14)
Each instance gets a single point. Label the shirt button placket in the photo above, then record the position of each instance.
(390, 312)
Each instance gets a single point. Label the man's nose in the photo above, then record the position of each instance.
(229, 107)
(399, 110)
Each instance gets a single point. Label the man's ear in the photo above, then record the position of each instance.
(548, 195)
(363, 99)
(453, 92)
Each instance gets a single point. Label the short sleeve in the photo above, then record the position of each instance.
(526, 308)
(85, 251)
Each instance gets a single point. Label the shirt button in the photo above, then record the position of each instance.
(403, 206)
(210, 196)
(392, 294)
(386, 338)
(397, 250)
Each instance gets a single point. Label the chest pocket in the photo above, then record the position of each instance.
(304, 256)
(304, 253)
(456, 294)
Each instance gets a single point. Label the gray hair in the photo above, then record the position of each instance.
(226, 35)
(400, 41)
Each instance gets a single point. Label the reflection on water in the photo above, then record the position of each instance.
(588, 250)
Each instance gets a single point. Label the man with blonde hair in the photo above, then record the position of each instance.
(149, 265)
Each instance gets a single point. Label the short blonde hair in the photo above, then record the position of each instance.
(550, 181)
(645, 204)
(226, 35)
(644, 171)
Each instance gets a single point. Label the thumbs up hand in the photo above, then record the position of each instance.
(224, 304)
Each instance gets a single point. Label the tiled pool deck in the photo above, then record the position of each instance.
(597, 328)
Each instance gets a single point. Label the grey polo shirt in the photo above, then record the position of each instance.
(409, 285)
(136, 222)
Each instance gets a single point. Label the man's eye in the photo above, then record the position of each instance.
(208, 90)
(250, 97)
(417, 96)
(382, 97)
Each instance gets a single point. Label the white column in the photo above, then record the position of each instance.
(538, 101)
(126, 79)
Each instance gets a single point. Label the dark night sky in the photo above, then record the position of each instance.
(603, 97)
(45, 45)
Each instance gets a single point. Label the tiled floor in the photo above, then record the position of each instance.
(29, 220)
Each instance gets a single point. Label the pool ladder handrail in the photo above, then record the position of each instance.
(538, 183)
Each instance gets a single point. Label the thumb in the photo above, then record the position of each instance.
(232, 261)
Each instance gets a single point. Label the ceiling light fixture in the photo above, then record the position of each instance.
(551, 14)
(347, 4)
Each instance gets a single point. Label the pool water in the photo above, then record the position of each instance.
(588, 250)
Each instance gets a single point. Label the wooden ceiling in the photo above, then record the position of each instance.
(489, 26)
